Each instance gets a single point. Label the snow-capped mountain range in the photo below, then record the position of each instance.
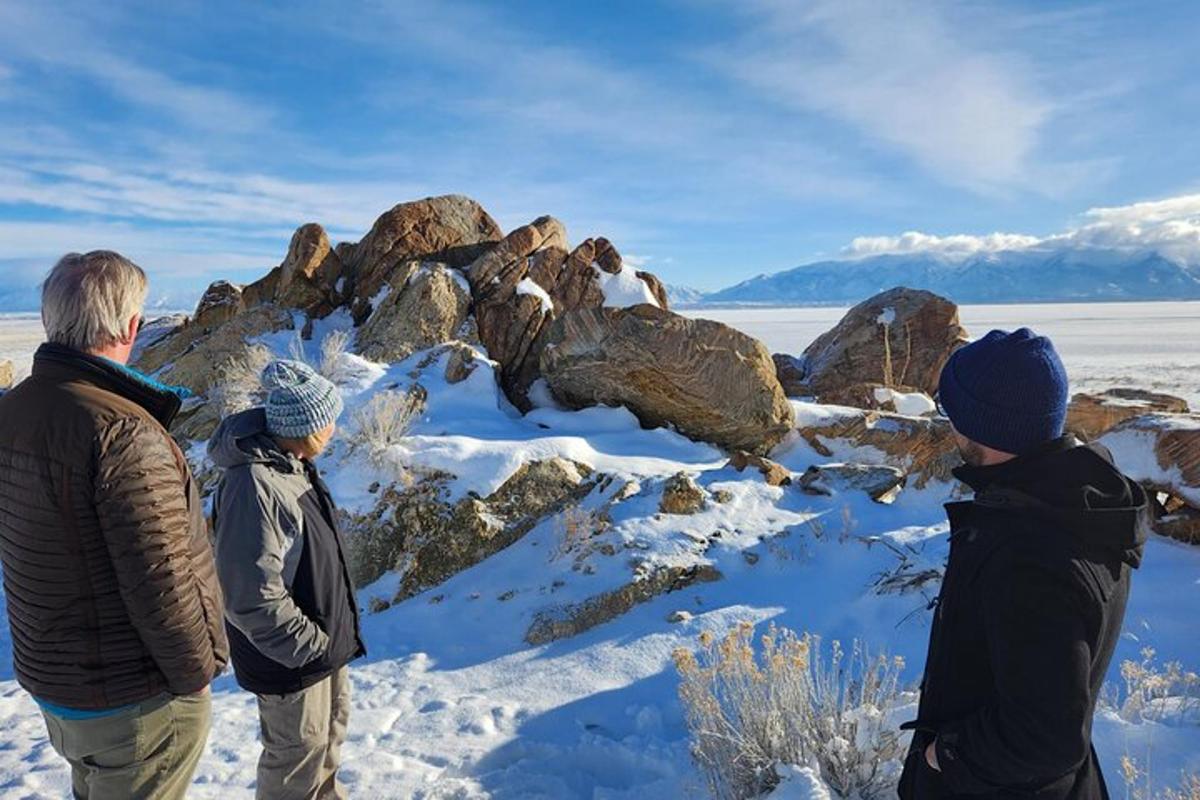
(1009, 276)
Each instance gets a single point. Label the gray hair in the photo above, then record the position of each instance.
(88, 300)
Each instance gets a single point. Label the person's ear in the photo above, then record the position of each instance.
(131, 329)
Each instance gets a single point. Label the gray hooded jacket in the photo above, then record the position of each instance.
(259, 540)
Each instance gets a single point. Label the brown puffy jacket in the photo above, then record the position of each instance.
(111, 589)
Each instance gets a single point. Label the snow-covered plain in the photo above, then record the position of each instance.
(452, 703)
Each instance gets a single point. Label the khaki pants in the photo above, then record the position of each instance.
(147, 752)
(302, 736)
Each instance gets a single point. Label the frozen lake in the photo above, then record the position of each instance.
(1147, 345)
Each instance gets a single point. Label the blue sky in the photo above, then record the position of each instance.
(710, 141)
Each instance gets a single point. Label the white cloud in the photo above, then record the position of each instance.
(1170, 227)
(902, 73)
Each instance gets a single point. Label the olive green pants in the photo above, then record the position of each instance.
(147, 752)
(302, 736)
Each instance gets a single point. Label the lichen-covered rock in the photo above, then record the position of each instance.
(575, 618)
(709, 381)
(773, 473)
(420, 533)
(427, 309)
(901, 337)
(452, 229)
(923, 447)
(879, 481)
(1090, 416)
(681, 495)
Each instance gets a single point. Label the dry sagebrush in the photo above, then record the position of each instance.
(790, 703)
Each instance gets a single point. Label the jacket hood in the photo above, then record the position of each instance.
(1075, 485)
(242, 438)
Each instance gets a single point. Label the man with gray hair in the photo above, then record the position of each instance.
(113, 601)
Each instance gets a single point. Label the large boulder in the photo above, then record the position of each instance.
(1090, 416)
(306, 280)
(709, 381)
(428, 309)
(452, 230)
(1162, 451)
(204, 363)
(511, 307)
(901, 337)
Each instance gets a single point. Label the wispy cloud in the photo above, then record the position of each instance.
(904, 76)
(1170, 227)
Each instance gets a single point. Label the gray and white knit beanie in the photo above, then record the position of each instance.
(299, 401)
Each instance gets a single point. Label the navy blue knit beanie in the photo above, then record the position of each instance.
(1007, 391)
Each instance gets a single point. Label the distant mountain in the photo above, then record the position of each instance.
(1013, 276)
(684, 296)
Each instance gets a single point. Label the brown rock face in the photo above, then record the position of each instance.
(681, 495)
(452, 229)
(1090, 416)
(509, 311)
(427, 310)
(1174, 440)
(708, 380)
(901, 337)
(923, 447)
(221, 302)
(201, 367)
(774, 474)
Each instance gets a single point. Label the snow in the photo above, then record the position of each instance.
(624, 288)
(530, 286)
(452, 703)
(912, 404)
(887, 316)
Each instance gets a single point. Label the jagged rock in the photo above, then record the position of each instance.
(901, 337)
(706, 379)
(657, 288)
(417, 531)
(681, 495)
(921, 446)
(774, 474)
(1090, 416)
(897, 399)
(7, 373)
(451, 229)
(429, 308)
(461, 364)
(201, 366)
(881, 482)
(790, 372)
(221, 302)
(1162, 451)
(569, 620)
(511, 308)
(305, 280)
(577, 285)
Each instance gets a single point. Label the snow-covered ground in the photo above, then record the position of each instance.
(452, 703)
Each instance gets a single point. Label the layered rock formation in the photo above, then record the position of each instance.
(1090, 416)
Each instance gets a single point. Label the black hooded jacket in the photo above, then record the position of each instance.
(1028, 617)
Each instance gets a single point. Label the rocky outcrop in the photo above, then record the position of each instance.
(427, 309)
(418, 532)
(706, 379)
(922, 447)
(1162, 451)
(205, 360)
(575, 618)
(452, 230)
(901, 337)
(774, 474)
(879, 481)
(7, 373)
(1090, 416)
(511, 308)
(681, 495)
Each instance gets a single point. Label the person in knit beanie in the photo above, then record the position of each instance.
(291, 613)
(1005, 395)
(1035, 588)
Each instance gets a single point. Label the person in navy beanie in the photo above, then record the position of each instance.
(290, 607)
(1035, 588)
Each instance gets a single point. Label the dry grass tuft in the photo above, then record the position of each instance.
(789, 703)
